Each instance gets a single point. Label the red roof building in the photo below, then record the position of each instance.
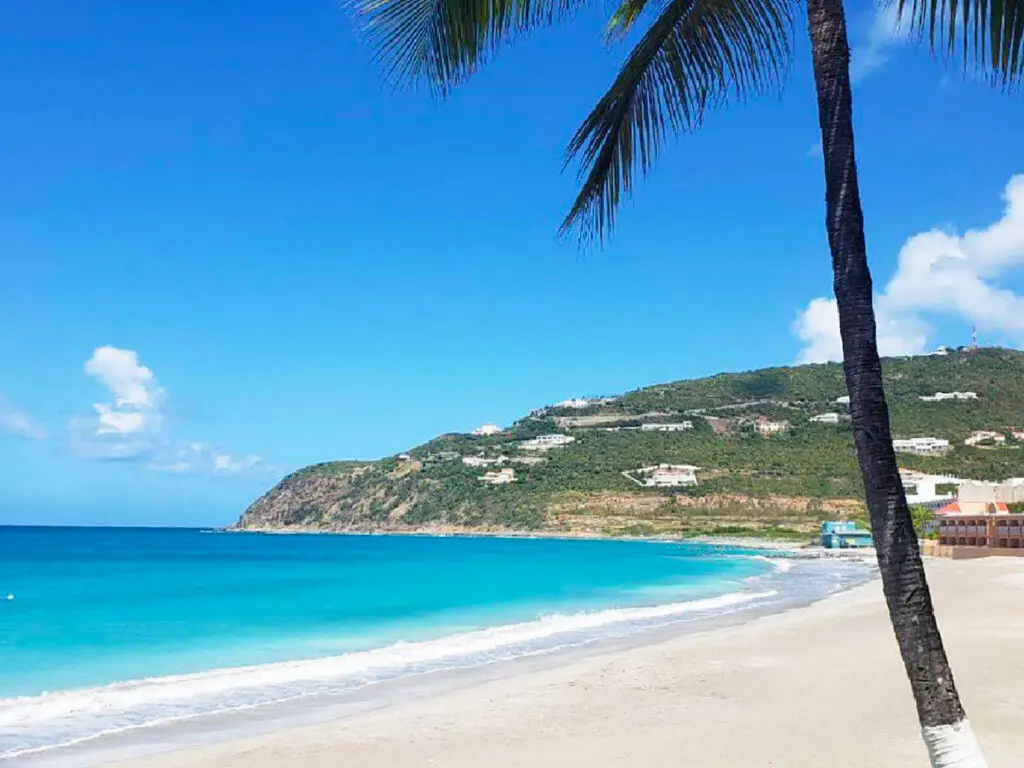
(980, 524)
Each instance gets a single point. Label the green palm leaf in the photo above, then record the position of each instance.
(444, 41)
(989, 34)
(696, 55)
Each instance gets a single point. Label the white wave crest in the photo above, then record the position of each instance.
(68, 717)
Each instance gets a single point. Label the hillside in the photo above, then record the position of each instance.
(746, 480)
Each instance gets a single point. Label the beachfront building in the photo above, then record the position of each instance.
(482, 461)
(664, 475)
(985, 437)
(486, 430)
(844, 534)
(768, 427)
(826, 418)
(681, 426)
(980, 524)
(922, 446)
(546, 442)
(499, 476)
(938, 397)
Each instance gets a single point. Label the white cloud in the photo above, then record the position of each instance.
(818, 327)
(18, 423)
(120, 371)
(129, 424)
(885, 33)
(197, 458)
(939, 273)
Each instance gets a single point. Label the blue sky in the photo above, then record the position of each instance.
(228, 250)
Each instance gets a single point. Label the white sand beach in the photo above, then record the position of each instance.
(817, 686)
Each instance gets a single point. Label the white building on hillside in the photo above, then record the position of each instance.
(499, 476)
(923, 446)
(485, 430)
(664, 475)
(1018, 433)
(575, 402)
(844, 400)
(826, 418)
(1009, 491)
(938, 397)
(983, 436)
(679, 427)
(480, 461)
(546, 442)
(922, 488)
(769, 426)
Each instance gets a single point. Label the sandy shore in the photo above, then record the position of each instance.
(817, 686)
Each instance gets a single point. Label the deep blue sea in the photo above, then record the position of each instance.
(104, 630)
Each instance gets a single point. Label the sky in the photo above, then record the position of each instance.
(228, 249)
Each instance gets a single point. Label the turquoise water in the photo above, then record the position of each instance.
(110, 629)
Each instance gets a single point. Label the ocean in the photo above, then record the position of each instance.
(105, 631)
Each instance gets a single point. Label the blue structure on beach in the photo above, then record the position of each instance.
(843, 534)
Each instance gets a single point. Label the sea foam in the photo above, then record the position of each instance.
(35, 723)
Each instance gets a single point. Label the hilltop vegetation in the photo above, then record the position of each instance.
(746, 480)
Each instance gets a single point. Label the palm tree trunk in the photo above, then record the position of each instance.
(946, 731)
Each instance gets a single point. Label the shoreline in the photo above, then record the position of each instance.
(612, 629)
(786, 677)
(725, 540)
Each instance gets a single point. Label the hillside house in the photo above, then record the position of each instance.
(768, 427)
(682, 426)
(844, 400)
(826, 418)
(546, 442)
(664, 475)
(922, 446)
(922, 489)
(529, 461)
(435, 458)
(499, 476)
(1017, 433)
(938, 397)
(575, 402)
(481, 461)
(985, 437)
(486, 430)
(673, 475)
(1010, 491)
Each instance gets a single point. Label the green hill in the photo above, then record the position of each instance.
(747, 481)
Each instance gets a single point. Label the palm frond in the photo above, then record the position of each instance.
(696, 55)
(988, 34)
(442, 42)
(623, 19)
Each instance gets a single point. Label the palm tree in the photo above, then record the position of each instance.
(695, 55)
